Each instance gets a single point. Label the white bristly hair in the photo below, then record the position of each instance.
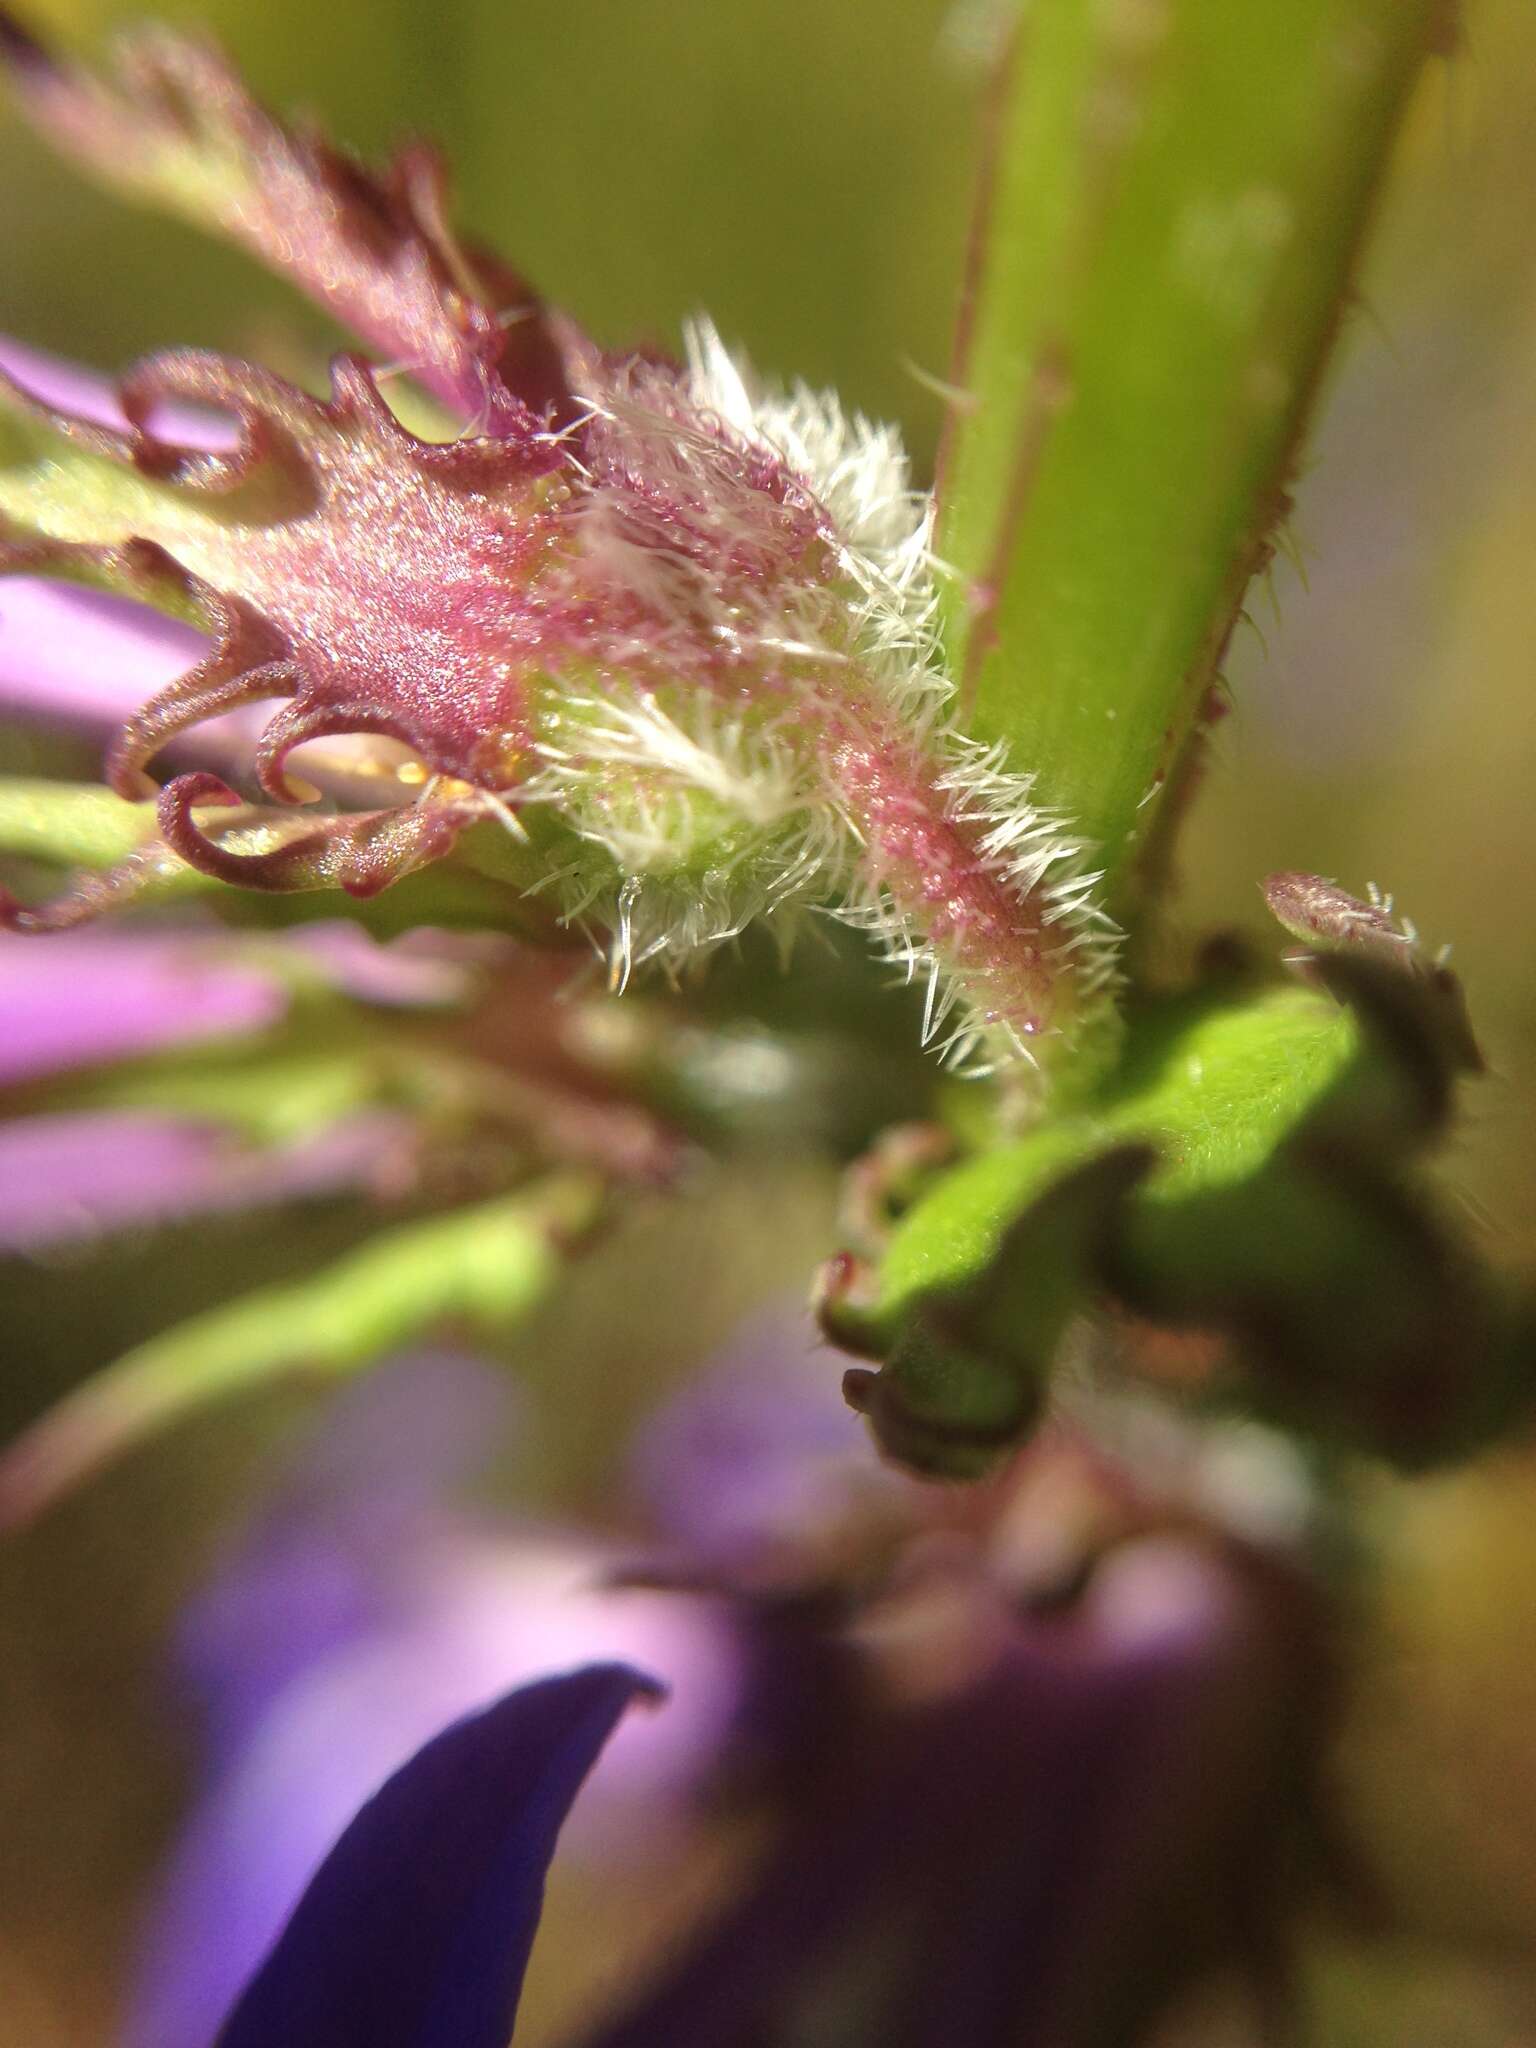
(796, 844)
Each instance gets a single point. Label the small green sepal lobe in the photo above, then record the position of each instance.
(1246, 1170)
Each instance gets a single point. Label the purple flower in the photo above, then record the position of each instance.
(67, 1177)
(997, 1817)
(756, 1462)
(108, 995)
(1044, 1754)
(84, 654)
(1024, 1827)
(71, 654)
(358, 1615)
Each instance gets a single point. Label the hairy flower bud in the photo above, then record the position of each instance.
(679, 629)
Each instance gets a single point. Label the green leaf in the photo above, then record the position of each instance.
(1214, 1088)
(1242, 1170)
(486, 1267)
(1178, 193)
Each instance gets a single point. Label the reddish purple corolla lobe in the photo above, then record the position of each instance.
(372, 578)
(361, 852)
(179, 128)
(377, 582)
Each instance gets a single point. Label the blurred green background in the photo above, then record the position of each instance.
(803, 171)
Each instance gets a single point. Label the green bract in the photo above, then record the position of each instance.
(1242, 1171)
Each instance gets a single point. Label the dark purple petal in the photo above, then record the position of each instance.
(1043, 1854)
(360, 1613)
(416, 1931)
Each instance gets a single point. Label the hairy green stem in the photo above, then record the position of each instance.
(1177, 194)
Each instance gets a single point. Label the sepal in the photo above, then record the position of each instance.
(968, 1369)
(1251, 1161)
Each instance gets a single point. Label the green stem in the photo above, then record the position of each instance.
(485, 1267)
(78, 825)
(1177, 195)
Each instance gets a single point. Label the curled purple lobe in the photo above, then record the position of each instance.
(422, 592)
(378, 583)
(382, 585)
(628, 594)
(416, 1930)
(371, 578)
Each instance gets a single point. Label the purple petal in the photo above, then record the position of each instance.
(76, 999)
(416, 1931)
(69, 653)
(69, 387)
(408, 1625)
(92, 395)
(756, 1453)
(73, 654)
(68, 1177)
